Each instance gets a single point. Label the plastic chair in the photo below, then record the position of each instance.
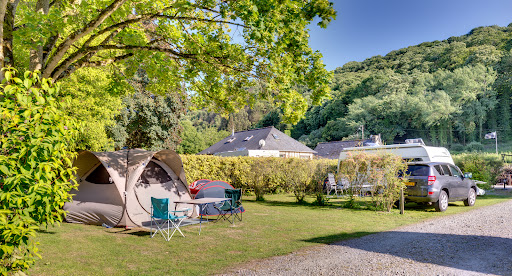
(160, 212)
(232, 207)
(331, 184)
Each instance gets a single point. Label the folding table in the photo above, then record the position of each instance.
(202, 203)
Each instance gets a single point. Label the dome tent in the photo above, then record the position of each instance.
(115, 188)
(197, 185)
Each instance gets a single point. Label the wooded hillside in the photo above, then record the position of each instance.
(447, 92)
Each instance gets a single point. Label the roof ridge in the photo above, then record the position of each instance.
(254, 129)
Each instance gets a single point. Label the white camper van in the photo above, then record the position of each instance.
(414, 152)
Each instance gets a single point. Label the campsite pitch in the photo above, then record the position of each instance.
(275, 227)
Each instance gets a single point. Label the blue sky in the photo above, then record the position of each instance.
(365, 28)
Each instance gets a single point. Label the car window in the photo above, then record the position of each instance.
(454, 170)
(446, 170)
(418, 170)
(439, 169)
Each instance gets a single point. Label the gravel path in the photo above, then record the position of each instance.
(478, 242)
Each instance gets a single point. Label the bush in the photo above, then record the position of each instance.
(484, 166)
(378, 170)
(36, 171)
(456, 148)
(261, 174)
(474, 146)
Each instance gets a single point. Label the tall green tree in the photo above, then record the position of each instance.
(95, 96)
(149, 121)
(212, 50)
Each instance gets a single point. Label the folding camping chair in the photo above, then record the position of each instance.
(331, 184)
(230, 208)
(160, 212)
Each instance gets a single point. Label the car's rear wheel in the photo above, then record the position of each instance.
(442, 203)
(470, 201)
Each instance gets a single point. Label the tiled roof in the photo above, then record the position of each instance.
(250, 140)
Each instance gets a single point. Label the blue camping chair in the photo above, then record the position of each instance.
(161, 216)
(232, 208)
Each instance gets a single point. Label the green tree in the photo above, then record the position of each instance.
(149, 121)
(95, 96)
(212, 50)
(194, 140)
(37, 143)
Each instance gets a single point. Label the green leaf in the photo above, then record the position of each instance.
(5, 171)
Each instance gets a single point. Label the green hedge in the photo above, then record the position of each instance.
(261, 174)
(484, 166)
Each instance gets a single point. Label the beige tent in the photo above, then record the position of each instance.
(115, 188)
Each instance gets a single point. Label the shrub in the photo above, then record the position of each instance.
(387, 189)
(299, 178)
(36, 173)
(378, 170)
(457, 148)
(484, 166)
(323, 167)
(260, 174)
(474, 146)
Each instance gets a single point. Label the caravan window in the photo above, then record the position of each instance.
(99, 176)
(154, 173)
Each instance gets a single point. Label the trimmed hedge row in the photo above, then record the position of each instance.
(261, 174)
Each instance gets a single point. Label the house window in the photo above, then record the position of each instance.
(248, 138)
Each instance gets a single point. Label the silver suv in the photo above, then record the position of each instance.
(439, 183)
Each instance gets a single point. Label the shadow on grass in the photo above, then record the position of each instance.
(335, 203)
(134, 232)
(332, 203)
(481, 253)
(364, 205)
(46, 231)
(338, 237)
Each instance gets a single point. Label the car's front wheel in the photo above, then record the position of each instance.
(470, 201)
(442, 203)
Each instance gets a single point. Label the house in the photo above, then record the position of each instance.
(331, 150)
(262, 142)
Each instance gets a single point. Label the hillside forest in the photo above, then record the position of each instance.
(450, 93)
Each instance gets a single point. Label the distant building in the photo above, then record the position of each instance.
(262, 142)
(331, 150)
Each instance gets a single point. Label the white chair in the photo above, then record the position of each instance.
(331, 184)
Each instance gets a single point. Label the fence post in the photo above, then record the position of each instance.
(401, 201)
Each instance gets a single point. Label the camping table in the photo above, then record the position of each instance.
(202, 203)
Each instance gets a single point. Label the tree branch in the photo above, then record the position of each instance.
(154, 16)
(85, 62)
(79, 54)
(88, 28)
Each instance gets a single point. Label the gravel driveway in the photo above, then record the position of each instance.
(478, 242)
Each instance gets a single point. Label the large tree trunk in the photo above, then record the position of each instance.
(7, 32)
(3, 8)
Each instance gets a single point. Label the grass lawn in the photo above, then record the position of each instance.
(275, 227)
